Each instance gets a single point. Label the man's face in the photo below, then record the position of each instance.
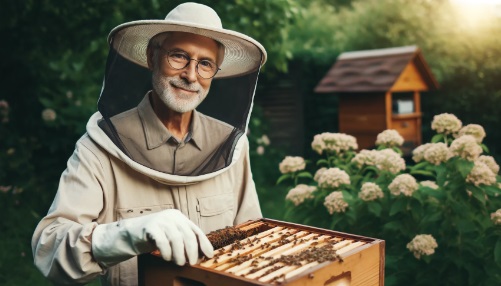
(183, 90)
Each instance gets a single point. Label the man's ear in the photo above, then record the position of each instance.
(149, 57)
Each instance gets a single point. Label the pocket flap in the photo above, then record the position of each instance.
(124, 213)
(214, 205)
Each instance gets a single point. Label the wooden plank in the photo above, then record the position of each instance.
(362, 269)
(409, 80)
(362, 123)
(408, 128)
(389, 111)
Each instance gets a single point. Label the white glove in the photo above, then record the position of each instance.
(170, 231)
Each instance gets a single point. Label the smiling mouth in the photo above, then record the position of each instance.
(184, 89)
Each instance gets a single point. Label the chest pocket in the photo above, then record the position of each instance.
(215, 212)
(123, 213)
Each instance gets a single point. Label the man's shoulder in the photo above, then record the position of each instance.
(126, 116)
(127, 123)
(87, 143)
(211, 123)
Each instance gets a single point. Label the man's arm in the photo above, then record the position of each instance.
(61, 242)
(69, 245)
(248, 202)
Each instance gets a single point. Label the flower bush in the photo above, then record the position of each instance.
(440, 212)
(422, 244)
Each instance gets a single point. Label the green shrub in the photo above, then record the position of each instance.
(440, 215)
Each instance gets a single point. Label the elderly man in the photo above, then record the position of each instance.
(159, 175)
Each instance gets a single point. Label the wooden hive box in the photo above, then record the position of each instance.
(380, 89)
(277, 253)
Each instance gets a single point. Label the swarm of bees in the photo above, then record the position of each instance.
(273, 253)
(228, 235)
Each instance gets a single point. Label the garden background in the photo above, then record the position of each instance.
(53, 64)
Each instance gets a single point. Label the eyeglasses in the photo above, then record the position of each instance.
(178, 60)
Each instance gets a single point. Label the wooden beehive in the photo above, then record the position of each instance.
(379, 90)
(277, 253)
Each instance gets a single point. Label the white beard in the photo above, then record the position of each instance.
(173, 99)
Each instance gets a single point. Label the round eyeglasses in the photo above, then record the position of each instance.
(178, 60)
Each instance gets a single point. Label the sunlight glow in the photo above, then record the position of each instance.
(477, 2)
(475, 14)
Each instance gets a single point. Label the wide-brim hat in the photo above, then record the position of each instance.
(242, 54)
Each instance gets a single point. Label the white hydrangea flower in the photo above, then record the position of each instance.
(404, 184)
(389, 138)
(370, 192)
(4, 111)
(429, 184)
(490, 162)
(422, 244)
(5, 189)
(48, 115)
(418, 153)
(481, 174)
(264, 140)
(335, 202)
(475, 130)
(466, 147)
(446, 123)
(390, 161)
(338, 142)
(385, 160)
(292, 164)
(333, 142)
(366, 157)
(318, 144)
(300, 193)
(319, 173)
(333, 178)
(496, 217)
(437, 153)
(260, 150)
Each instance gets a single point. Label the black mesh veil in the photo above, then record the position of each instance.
(229, 100)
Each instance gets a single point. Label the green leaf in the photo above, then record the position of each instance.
(464, 167)
(419, 165)
(456, 207)
(437, 138)
(335, 220)
(304, 175)
(422, 172)
(45, 102)
(486, 150)
(441, 174)
(392, 226)
(466, 226)
(283, 178)
(432, 217)
(375, 208)
(416, 209)
(322, 162)
(477, 193)
(497, 252)
(438, 194)
(372, 168)
(492, 190)
(398, 206)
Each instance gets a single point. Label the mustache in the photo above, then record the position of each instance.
(178, 82)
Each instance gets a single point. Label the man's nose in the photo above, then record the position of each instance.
(190, 71)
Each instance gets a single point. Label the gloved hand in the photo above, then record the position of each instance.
(170, 231)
